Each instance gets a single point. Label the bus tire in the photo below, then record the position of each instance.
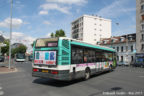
(87, 74)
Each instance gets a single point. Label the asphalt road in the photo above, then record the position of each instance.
(124, 81)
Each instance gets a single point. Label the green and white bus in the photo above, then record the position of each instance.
(67, 59)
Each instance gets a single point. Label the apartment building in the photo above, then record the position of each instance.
(125, 46)
(140, 26)
(90, 28)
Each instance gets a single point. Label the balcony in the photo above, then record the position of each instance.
(142, 40)
(142, 11)
(142, 21)
(142, 31)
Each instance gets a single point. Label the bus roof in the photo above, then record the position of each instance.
(82, 43)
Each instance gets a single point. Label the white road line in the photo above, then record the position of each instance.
(1, 93)
(0, 88)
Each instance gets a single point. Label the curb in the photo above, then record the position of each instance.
(15, 70)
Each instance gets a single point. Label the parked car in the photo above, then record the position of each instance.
(1, 58)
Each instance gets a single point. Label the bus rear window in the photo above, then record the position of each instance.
(47, 42)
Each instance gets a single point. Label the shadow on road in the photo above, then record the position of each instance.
(57, 83)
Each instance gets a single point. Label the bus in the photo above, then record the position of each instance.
(68, 59)
(20, 57)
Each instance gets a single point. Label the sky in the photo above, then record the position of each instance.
(34, 19)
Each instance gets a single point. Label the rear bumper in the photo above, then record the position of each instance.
(63, 77)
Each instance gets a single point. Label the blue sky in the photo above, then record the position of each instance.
(38, 18)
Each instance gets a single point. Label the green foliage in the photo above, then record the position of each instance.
(20, 49)
(5, 49)
(58, 33)
(52, 35)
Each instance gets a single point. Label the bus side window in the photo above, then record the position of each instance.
(77, 55)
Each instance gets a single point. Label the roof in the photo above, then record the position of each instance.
(118, 39)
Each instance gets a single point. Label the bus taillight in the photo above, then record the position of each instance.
(54, 72)
(35, 70)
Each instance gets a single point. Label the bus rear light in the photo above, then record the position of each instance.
(35, 70)
(54, 72)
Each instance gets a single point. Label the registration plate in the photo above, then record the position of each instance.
(46, 71)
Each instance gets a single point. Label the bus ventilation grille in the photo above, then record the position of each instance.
(65, 43)
(65, 52)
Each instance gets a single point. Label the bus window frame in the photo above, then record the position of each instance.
(46, 64)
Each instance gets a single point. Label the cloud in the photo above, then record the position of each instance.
(48, 35)
(16, 22)
(46, 22)
(53, 6)
(43, 12)
(115, 9)
(76, 2)
(63, 6)
(19, 37)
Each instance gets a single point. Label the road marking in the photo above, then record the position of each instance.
(0, 88)
(1, 93)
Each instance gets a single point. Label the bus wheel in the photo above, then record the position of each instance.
(87, 74)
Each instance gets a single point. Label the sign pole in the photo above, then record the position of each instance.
(10, 34)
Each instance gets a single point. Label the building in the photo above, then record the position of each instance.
(140, 26)
(90, 28)
(125, 46)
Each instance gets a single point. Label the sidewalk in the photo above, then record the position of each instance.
(5, 69)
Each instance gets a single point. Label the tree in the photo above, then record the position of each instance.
(52, 35)
(58, 33)
(20, 49)
(5, 49)
(61, 33)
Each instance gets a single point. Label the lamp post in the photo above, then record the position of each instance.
(10, 34)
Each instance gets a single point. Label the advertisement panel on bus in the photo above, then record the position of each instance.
(45, 57)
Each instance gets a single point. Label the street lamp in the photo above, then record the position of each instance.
(10, 34)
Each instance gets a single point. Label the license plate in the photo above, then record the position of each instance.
(45, 71)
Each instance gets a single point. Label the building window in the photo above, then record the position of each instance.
(117, 49)
(121, 58)
(131, 48)
(122, 49)
(131, 58)
(142, 7)
(142, 26)
(142, 47)
(142, 36)
(142, 17)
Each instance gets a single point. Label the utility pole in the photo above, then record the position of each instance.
(10, 34)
